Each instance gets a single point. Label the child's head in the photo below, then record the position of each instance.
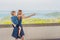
(13, 13)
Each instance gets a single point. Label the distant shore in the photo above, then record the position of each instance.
(30, 25)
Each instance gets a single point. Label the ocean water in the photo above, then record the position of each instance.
(39, 13)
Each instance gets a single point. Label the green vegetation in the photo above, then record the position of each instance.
(32, 21)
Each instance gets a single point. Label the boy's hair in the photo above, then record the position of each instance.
(12, 12)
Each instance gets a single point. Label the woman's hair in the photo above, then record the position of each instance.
(12, 13)
(19, 10)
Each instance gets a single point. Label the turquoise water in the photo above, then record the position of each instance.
(39, 13)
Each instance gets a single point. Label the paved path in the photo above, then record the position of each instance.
(33, 33)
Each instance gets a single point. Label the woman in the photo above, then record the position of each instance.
(20, 16)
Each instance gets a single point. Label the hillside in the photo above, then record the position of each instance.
(56, 19)
(54, 14)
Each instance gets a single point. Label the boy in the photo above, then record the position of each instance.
(14, 19)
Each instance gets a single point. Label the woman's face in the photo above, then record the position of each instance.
(19, 13)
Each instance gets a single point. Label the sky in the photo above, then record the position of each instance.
(30, 4)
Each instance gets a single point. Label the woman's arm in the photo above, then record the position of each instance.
(23, 16)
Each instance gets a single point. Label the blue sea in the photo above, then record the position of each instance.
(39, 13)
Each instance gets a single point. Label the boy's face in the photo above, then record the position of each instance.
(14, 13)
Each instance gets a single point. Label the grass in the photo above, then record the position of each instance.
(32, 21)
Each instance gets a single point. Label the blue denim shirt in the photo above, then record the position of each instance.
(14, 19)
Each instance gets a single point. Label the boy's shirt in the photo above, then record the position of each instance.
(14, 20)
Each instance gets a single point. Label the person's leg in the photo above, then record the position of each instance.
(19, 30)
(22, 34)
(22, 38)
(16, 38)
